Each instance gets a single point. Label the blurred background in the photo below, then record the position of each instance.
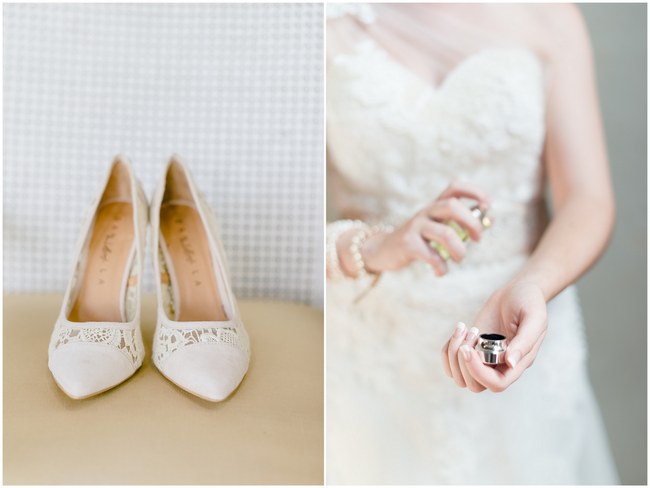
(235, 89)
(614, 292)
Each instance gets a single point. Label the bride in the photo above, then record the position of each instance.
(433, 109)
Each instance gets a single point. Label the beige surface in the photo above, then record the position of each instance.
(148, 431)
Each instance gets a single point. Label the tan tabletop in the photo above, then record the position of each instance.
(148, 431)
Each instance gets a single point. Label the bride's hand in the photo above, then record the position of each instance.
(410, 242)
(517, 311)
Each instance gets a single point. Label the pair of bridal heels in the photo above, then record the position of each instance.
(200, 342)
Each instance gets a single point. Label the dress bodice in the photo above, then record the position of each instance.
(395, 141)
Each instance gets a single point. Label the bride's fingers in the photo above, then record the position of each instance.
(469, 343)
(470, 339)
(472, 384)
(496, 379)
(532, 326)
(436, 261)
(491, 378)
(499, 378)
(423, 252)
(530, 357)
(453, 209)
(452, 353)
(463, 190)
(446, 236)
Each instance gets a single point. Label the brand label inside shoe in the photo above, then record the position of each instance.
(100, 288)
(190, 265)
(106, 251)
(185, 243)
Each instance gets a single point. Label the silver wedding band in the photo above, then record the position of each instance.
(492, 348)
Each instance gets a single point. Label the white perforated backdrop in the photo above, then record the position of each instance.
(236, 90)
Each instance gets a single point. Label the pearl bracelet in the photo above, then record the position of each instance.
(357, 243)
(364, 231)
(334, 231)
(355, 250)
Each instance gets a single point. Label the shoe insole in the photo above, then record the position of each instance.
(191, 266)
(100, 294)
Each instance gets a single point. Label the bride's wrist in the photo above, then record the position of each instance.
(337, 247)
(369, 251)
(346, 259)
(525, 280)
(358, 250)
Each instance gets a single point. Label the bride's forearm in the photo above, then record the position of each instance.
(575, 159)
(575, 238)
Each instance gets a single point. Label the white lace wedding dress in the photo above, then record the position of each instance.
(395, 142)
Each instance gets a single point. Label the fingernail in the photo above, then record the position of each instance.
(473, 332)
(460, 329)
(513, 358)
(466, 352)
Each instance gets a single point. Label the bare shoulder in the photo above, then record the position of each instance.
(563, 29)
(557, 13)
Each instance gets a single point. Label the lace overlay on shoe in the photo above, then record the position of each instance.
(170, 339)
(124, 340)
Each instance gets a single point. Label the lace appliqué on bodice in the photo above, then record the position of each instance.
(396, 141)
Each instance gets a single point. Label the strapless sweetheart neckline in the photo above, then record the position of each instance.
(440, 85)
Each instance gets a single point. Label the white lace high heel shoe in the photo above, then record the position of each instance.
(96, 343)
(200, 343)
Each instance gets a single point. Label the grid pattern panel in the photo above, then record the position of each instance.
(236, 90)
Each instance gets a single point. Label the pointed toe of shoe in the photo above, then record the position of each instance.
(83, 370)
(211, 372)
